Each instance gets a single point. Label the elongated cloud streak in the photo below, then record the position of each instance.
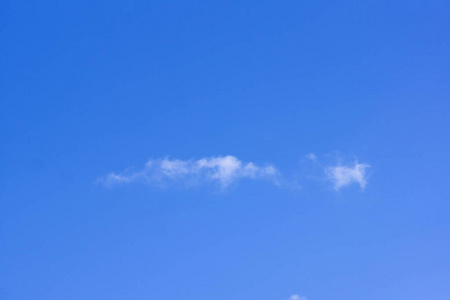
(226, 170)
(296, 297)
(342, 176)
(223, 170)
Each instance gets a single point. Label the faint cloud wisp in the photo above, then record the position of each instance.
(223, 170)
(342, 176)
(311, 156)
(296, 297)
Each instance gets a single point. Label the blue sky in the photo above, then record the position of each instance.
(237, 150)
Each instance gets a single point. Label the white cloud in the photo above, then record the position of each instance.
(223, 170)
(226, 170)
(342, 176)
(296, 297)
(311, 156)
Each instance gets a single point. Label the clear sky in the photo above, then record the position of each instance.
(229, 150)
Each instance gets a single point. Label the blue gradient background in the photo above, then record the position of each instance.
(87, 88)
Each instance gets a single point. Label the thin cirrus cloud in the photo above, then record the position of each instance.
(226, 170)
(311, 156)
(296, 297)
(342, 176)
(222, 170)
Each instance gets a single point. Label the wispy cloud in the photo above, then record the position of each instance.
(226, 170)
(223, 170)
(296, 297)
(342, 176)
(311, 156)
